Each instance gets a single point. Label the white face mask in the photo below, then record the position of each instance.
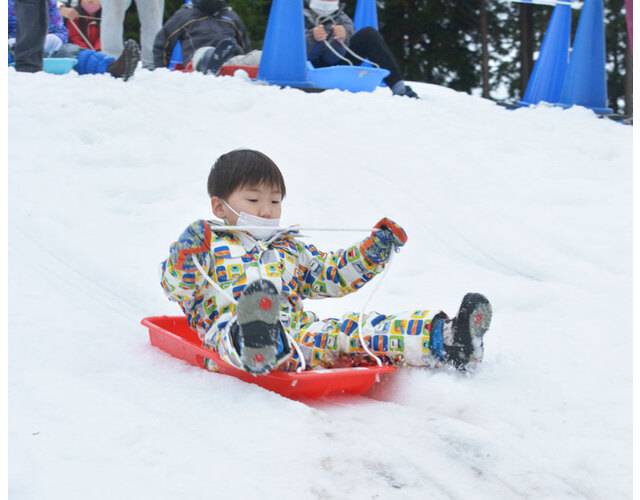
(324, 7)
(245, 219)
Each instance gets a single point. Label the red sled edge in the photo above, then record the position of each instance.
(173, 335)
(230, 70)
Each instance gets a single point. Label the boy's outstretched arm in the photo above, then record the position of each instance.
(335, 274)
(180, 278)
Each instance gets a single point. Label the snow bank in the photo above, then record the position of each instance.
(532, 207)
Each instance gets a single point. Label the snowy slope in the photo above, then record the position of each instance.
(531, 207)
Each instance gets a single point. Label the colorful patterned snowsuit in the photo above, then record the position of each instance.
(299, 271)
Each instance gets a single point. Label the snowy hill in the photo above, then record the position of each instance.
(531, 207)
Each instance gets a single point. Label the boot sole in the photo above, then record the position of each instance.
(258, 326)
(472, 322)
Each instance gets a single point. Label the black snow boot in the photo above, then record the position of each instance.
(463, 342)
(125, 66)
(257, 330)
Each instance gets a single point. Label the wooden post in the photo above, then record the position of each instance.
(485, 49)
(526, 45)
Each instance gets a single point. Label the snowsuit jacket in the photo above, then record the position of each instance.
(317, 52)
(298, 270)
(56, 26)
(195, 29)
(90, 28)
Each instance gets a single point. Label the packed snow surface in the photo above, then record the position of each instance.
(531, 207)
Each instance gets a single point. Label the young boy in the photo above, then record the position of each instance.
(243, 291)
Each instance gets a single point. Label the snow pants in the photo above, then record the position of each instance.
(113, 11)
(405, 338)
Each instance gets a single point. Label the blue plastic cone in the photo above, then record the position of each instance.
(547, 78)
(284, 53)
(366, 15)
(176, 55)
(586, 81)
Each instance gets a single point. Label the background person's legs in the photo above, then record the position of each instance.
(150, 14)
(112, 25)
(33, 19)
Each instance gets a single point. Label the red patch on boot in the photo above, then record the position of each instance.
(265, 303)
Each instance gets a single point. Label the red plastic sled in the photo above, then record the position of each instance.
(173, 335)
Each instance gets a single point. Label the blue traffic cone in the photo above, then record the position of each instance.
(284, 52)
(366, 15)
(176, 55)
(547, 77)
(586, 81)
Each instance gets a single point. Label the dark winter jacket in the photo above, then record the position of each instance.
(317, 52)
(196, 29)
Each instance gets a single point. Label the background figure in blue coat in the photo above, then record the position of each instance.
(332, 40)
(36, 30)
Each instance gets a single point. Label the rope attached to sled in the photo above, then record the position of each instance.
(232, 300)
(295, 228)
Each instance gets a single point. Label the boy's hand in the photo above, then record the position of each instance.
(339, 33)
(385, 237)
(319, 33)
(399, 234)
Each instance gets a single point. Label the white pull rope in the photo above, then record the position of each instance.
(231, 298)
(293, 227)
(361, 325)
(337, 54)
(348, 49)
(362, 312)
(215, 285)
(303, 363)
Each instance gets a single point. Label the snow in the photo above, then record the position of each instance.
(531, 207)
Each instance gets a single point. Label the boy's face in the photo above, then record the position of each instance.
(261, 200)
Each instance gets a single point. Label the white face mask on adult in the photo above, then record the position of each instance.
(265, 226)
(324, 7)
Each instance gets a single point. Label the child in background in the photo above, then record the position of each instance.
(83, 23)
(210, 33)
(332, 40)
(243, 291)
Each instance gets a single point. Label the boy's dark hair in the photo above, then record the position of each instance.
(243, 167)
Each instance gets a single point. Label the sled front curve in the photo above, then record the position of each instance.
(173, 335)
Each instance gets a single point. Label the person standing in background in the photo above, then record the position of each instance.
(113, 12)
(31, 27)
